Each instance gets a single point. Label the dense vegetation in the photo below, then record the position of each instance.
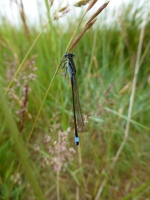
(113, 158)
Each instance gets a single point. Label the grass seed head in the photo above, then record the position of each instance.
(61, 153)
(81, 3)
(81, 34)
(51, 2)
(97, 12)
(91, 4)
(62, 9)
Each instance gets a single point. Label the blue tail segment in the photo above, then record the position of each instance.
(77, 140)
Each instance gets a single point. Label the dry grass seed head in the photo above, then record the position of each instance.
(90, 23)
(23, 18)
(63, 12)
(81, 34)
(51, 2)
(81, 3)
(62, 9)
(91, 4)
(97, 12)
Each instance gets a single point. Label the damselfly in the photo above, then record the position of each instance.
(68, 64)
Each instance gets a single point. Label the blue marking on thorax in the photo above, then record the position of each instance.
(71, 72)
(69, 68)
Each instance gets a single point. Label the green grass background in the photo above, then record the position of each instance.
(105, 61)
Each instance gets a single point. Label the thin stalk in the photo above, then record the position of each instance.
(58, 173)
(77, 193)
(81, 166)
(57, 180)
(11, 186)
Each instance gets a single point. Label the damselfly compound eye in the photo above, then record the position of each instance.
(66, 55)
(72, 55)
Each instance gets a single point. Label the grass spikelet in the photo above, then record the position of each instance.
(29, 62)
(51, 2)
(62, 9)
(91, 4)
(56, 16)
(22, 14)
(23, 110)
(82, 33)
(23, 18)
(124, 89)
(90, 22)
(97, 12)
(81, 3)
(148, 80)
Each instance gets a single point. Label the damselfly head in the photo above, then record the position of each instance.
(69, 55)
